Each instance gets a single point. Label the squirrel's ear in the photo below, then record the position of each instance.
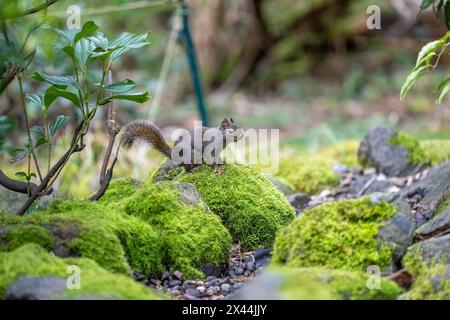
(225, 123)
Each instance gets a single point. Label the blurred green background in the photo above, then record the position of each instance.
(310, 68)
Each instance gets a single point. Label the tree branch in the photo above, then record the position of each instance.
(112, 128)
(15, 185)
(36, 9)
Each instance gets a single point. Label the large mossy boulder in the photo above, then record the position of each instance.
(250, 206)
(308, 174)
(317, 284)
(86, 229)
(347, 234)
(30, 272)
(194, 239)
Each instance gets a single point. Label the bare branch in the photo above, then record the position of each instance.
(15, 185)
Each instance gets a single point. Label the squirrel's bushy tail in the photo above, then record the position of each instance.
(147, 131)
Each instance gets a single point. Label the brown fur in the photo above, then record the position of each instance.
(148, 132)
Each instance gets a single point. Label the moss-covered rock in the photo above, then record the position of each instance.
(192, 236)
(89, 230)
(308, 174)
(344, 153)
(250, 206)
(339, 235)
(431, 274)
(33, 260)
(318, 284)
(416, 154)
(119, 190)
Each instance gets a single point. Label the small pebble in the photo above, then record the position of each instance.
(209, 278)
(193, 292)
(239, 271)
(201, 290)
(189, 284)
(176, 292)
(225, 288)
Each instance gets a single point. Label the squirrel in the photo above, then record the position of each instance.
(220, 137)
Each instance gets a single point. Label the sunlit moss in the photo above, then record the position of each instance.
(250, 206)
(438, 150)
(344, 153)
(191, 235)
(337, 235)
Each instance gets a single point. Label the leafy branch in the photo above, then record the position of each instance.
(85, 49)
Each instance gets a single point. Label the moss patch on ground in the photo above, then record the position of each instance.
(249, 205)
(308, 174)
(191, 235)
(33, 260)
(344, 153)
(325, 284)
(438, 151)
(336, 235)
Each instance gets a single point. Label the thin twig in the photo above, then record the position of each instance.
(36, 9)
(27, 125)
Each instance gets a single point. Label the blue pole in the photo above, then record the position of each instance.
(193, 65)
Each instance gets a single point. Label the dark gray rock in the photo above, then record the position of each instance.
(398, 231)
(225, 288)
(376, 151)
(440, 224)
(368, 184)
(35, 288)
(193, 292)
(178, 275)
(175, 283)
(299, 201)
(239, 271)
(209, 269)
(165, 276)
(433, 250)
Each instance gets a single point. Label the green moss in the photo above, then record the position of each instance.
(337, 235)
(191, 236)
(416, 154)
(251, 208)
(33, 260)
(438, 150)
(119, 190)
(325, 284)
(344, 152)
(431, 279)
(90, 230)
(17, 236)
(308, 174)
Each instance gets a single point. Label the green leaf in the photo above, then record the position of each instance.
(429, 48)
(18, 154)
(443, 89)
(412, 78)
(37, 100)
(21, 174)
(126, 42)
(426, 4)
(60, 121)
(82, 51)
(99, 40)
(52, 93)
(120, 87)
(6, 125)
(61, 34)
(40, 135)
(70, 51)
(62, 82)
(140, 97)
(88, 29)
(447, 14)
(32, 175)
